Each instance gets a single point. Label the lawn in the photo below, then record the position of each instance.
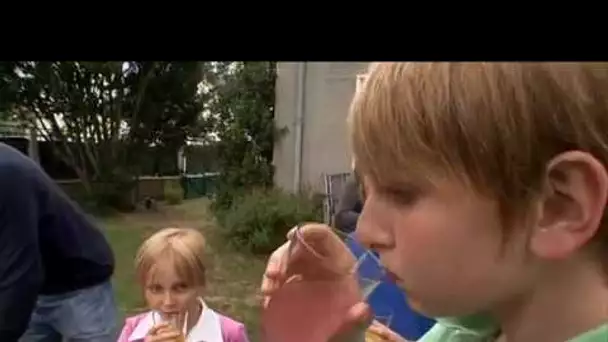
(234, 277)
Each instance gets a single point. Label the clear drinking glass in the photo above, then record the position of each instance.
(312, 308)
(384, 319)
(173, 321)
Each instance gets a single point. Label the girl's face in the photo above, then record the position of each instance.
(166, 292)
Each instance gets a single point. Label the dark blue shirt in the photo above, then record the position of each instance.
(48, 245)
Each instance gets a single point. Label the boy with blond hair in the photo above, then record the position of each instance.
(486, 188)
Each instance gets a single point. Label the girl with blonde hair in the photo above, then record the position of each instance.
(171, 269)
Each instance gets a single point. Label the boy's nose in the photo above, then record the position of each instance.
(370, 231)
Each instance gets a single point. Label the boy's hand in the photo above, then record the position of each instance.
(337, 258)
(303, 264)
(384, 333)
(163, 332)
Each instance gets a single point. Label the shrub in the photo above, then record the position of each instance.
(173, 192)
(259, 220)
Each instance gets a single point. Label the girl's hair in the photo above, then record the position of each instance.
(183, 247)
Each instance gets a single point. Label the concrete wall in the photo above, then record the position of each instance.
(328, 90)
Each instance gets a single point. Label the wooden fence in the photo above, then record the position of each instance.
(193, 186)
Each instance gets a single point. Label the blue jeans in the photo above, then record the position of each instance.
(84, 315)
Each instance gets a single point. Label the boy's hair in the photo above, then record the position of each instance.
(494, 126)
(183, 247)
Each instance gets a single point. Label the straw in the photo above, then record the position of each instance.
(185, 327)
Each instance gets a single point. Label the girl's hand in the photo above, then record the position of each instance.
(385, 333)
(163, 332)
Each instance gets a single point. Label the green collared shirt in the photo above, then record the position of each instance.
(481, 329)
(599, 334)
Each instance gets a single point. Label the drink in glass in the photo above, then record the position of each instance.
(371, 334)
(173, 322)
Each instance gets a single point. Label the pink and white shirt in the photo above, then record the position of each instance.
(210, 327)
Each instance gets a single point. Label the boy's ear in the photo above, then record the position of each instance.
(571, 205)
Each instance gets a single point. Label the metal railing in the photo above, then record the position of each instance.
(334, 185)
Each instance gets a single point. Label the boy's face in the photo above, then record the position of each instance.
(445, 245)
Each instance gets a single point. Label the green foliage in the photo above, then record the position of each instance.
(258, 220)
(174, 194)
(241, 104)
(103, 117)
(111, 112)
(253, 215)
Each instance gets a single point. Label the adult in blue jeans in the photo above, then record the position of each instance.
(387, 298)
(56, 265)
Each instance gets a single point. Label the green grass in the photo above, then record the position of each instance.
(233, 279)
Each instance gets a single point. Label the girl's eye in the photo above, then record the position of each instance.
(155, 288)
(181, 287)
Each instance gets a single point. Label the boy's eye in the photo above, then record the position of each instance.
(402, 196)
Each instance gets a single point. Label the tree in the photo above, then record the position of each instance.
(242, 111)
(101, 116)
(7, 90)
